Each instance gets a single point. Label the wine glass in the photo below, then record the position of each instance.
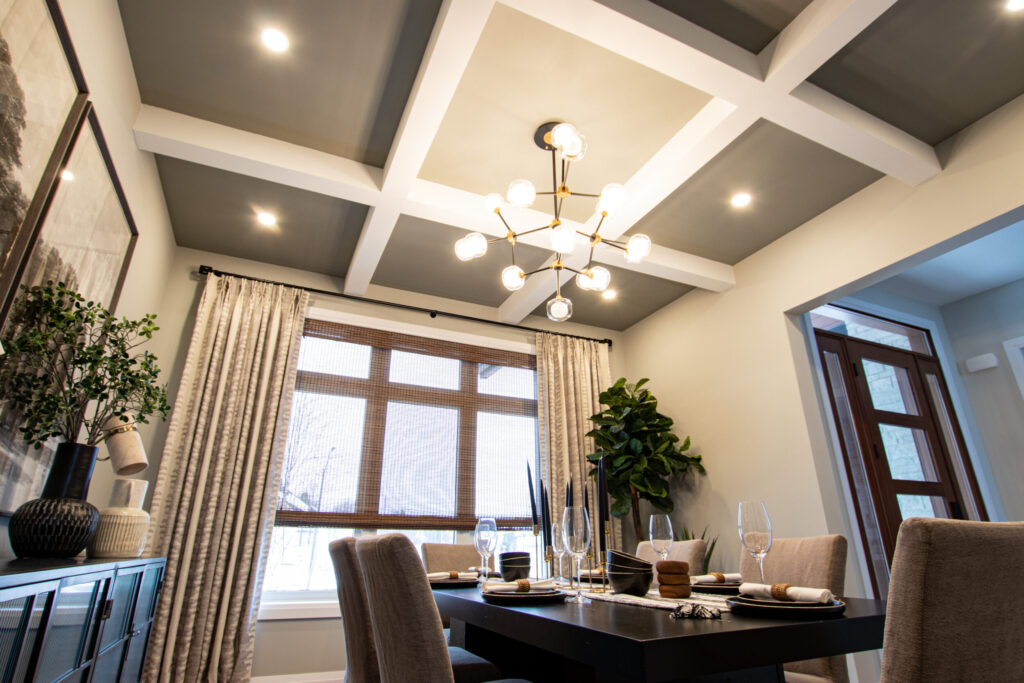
(755, 531)
(661, 535)
(576, 534)
(485, 538)
(558, 544)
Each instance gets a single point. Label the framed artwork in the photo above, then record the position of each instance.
(42, 101)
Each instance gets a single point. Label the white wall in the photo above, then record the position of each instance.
(980, 324)
(733, 368)
(98, 37)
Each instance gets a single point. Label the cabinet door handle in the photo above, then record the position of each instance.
(136, 633)
(108, 606)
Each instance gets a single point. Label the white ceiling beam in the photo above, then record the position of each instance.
(814, 37)
(211, 144)
(678, 266)
(458, 27)
(663, 41)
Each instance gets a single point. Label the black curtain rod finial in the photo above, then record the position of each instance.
(206, 270)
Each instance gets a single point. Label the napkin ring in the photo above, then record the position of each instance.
(453, 574)
(523, 585)
(719, 577)
(779, 591)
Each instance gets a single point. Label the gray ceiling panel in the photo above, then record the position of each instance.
(932, 67)
(751, 24)
(420, 257)
(638, 296)
(341, 87)
(791, 179)
(215, 210)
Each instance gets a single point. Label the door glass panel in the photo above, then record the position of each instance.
(34, 620)
(890, 388)
(132, 670)
(952, 445)
(869, 328)
(108, 664)
(12, 612)
(907, 452)
(69, 628)
(921, 506)
(858, 470)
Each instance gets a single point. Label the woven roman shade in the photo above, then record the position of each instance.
(395, 431)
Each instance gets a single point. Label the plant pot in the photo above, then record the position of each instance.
(60, 522)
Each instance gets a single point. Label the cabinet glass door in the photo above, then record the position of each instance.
(71, 629)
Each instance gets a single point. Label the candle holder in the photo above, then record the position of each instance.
(549, 558)
(536, 547)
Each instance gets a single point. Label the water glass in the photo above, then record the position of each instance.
(661, 535)
(755, 531)
(558, 545)
(485, 539)
(576, 535)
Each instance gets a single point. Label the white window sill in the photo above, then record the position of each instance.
(312, 607)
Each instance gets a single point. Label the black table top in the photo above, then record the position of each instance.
(645, 642)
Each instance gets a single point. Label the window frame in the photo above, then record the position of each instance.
(378, 392)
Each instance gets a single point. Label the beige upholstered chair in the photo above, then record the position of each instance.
(690, 552)
(360, 654)
(816, 561)
(956, 600)
(445, 557)
(406, 626)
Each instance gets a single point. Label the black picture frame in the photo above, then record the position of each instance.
(52, 132)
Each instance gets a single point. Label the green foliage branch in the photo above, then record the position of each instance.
(642, 452)
(71, 364)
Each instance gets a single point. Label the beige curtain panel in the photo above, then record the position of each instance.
(215, 496)
(571, 374)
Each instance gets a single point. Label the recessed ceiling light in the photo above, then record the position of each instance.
(267, 219)
(274, 40)
(741, 199)
(67, 175)
(1014, 5)
(609, 294)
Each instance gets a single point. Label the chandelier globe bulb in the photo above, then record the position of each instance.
(638, 247)
(613, 196)
(559, 309)
(521, 193)
(471, 246)
(562, 134)
(493, 202)
(563, 239)
(575, 149)
(513, 278)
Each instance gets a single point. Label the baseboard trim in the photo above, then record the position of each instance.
(314, 677)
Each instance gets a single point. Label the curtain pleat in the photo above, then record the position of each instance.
(571, 374)
(215, 496)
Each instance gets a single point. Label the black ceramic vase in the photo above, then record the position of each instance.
(60, 523)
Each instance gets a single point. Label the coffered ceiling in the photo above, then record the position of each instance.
(374, 138)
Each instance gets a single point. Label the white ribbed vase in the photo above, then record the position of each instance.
(122, 530)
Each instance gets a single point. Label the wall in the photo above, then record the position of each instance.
(310, 645)
(734, 370)
(980, 324)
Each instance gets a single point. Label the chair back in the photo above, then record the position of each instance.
(815, 561)
(690, 552)
(955, 602)
(360, 653)
(446, 557)
(406, 625)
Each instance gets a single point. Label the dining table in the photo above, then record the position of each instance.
(613, 642)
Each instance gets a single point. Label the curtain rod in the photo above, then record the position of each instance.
(433, 313)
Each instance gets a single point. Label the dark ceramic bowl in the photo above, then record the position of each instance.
(618, 558)
(619, 569)
(514, 555)
(631, 583)
(513, 572)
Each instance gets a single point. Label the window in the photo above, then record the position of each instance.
(395, 432)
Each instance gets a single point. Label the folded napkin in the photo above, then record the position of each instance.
(436, 576)
(520, 586)
(717, 578)
(783, 591)
(590, 572)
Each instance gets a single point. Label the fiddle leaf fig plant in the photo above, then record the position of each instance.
(71, 364)
(642, 453)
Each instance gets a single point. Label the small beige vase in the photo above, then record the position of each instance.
(124, 525)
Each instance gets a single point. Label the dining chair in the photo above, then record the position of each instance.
(360, 652)
(444, 557)
(406, 626)
(690, 552)
(816, 561)
(955, 602)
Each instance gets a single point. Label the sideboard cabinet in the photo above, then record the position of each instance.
(76, 621)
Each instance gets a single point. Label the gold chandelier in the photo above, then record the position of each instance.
(567, 145)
